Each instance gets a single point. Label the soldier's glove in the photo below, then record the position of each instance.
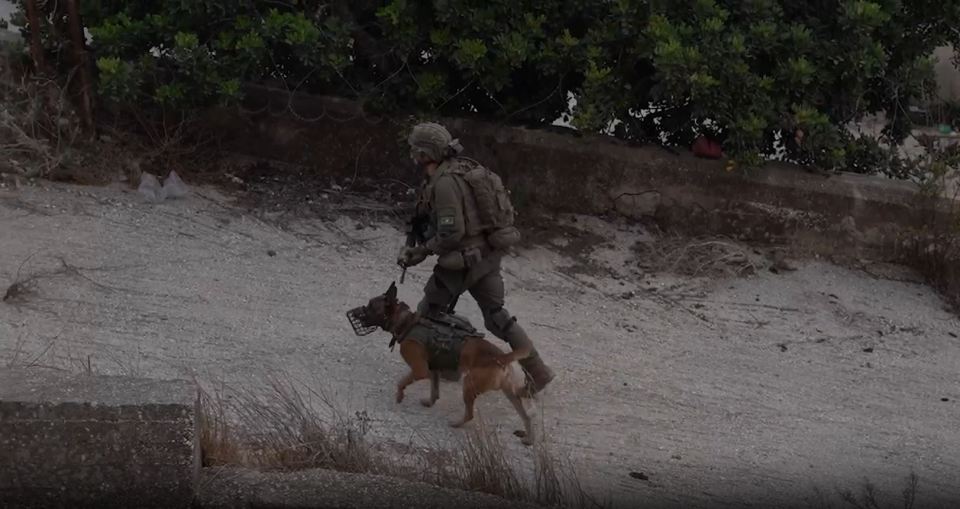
(410, 256)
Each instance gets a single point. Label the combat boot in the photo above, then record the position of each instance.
(538, 375)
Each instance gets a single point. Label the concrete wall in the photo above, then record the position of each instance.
(96, 441)
(847, 215)
(560, 172)
(78, 441)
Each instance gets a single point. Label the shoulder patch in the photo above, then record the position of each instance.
(446, 219)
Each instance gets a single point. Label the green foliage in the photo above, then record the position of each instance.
(747, 72)
(762, 67)
(181, 55)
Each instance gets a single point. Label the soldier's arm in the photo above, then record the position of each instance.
(449, 216)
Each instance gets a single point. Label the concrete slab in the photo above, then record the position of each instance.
(225, 488)
(96, 441)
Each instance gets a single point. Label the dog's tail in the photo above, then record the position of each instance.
(503, 360)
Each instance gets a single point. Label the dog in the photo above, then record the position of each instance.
(483, 365)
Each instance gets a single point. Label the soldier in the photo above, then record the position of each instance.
(455, 210)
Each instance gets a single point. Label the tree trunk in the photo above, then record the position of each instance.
(36, 47)
(78, 43)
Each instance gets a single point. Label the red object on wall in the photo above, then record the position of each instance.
(707, 148)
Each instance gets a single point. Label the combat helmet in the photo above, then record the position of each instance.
(434, 141)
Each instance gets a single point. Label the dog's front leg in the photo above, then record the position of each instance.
(403, 383)
(415, 355)
(434, 390)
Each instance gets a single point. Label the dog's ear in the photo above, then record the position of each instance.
(392, 291)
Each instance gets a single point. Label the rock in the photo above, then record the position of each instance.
(780, 263)
(640, 475)
(150, 188)
(173, 187)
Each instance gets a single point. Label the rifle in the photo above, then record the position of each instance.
(418, 229)
(418, 232)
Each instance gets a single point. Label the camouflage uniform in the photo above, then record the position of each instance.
(465, 263)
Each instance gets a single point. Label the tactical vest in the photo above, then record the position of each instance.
(443, 338)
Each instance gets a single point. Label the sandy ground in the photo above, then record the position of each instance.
(723, 393)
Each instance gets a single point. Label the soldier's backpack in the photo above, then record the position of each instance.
(487, 205)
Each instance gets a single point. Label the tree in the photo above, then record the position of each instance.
(751, 73)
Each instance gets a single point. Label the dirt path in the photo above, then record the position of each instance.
(752, 390)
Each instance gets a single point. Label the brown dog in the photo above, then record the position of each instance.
(484, 366)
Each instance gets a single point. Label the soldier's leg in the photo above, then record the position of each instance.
(438, 293)
(488, 292)
(437, 297)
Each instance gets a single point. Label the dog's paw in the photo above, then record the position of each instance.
(456, 424)
(520, 433)
(427, 402)
(399, 396)
(528, 441)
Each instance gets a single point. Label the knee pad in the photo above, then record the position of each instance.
(499, 321)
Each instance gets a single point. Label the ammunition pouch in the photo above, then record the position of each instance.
(453, 260)
(504, 238)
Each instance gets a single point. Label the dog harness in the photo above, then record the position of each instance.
(443, 337)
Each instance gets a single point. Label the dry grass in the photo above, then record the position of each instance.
(38, 126)
(481, 464)
(41, 135)
(698, 257)
(302, 428)
(869, 497)
(24, 285)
